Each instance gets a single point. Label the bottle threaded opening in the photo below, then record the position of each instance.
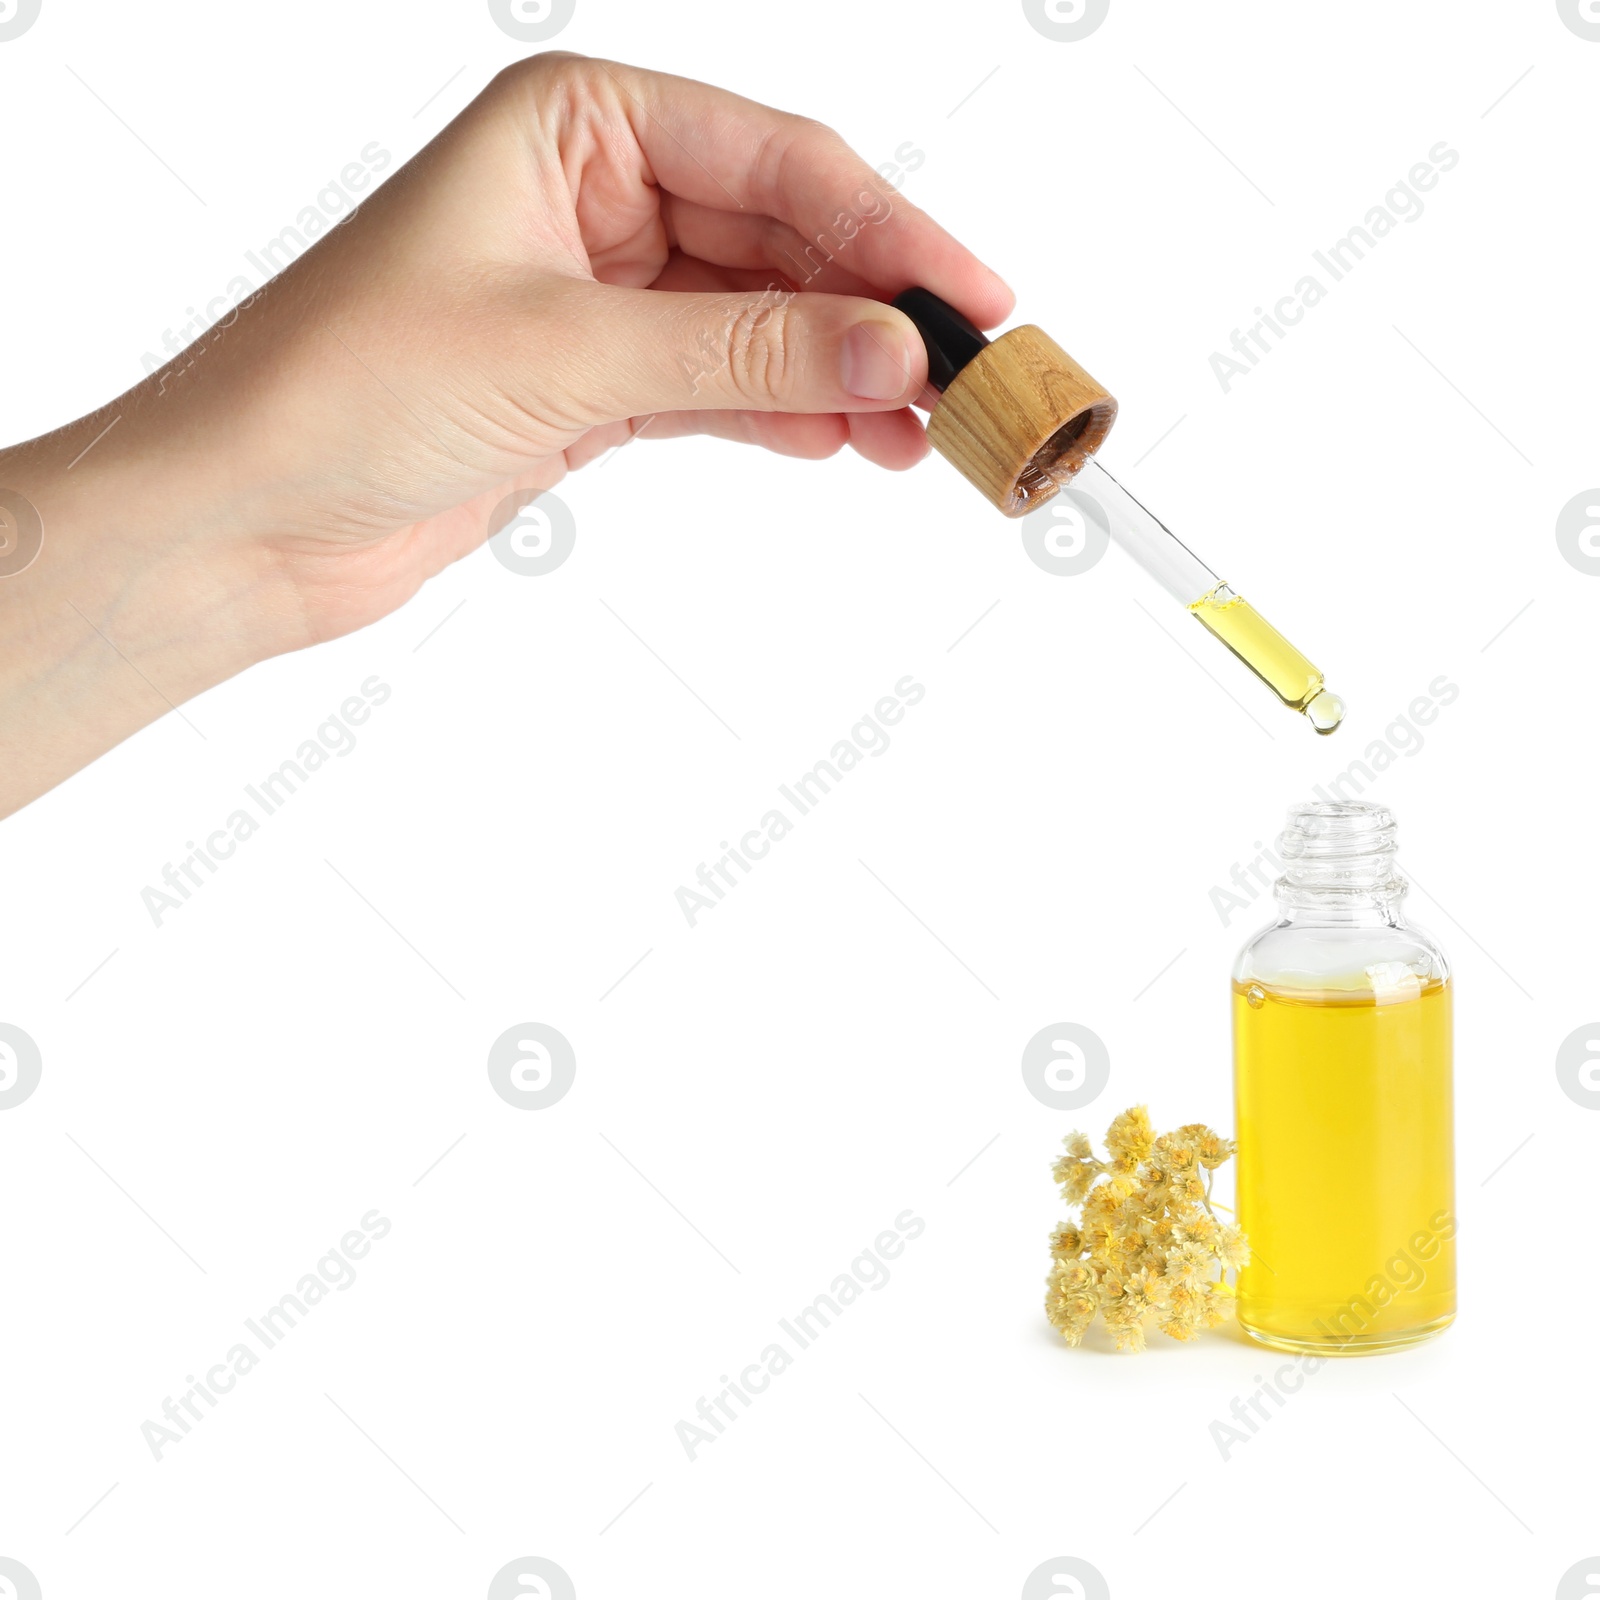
(1339, 852)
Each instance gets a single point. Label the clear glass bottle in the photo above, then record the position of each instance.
(1343, 1105)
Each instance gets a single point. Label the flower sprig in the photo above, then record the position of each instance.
(1146, 1241)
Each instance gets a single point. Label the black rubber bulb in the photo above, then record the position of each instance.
(952, 341)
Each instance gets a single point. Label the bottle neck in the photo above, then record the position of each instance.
(1339, 866)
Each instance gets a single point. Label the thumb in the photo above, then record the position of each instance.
(775, 350)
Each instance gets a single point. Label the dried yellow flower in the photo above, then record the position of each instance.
(1075, 1277)
(1130, 1135)
(1233, 1249)
(1217, 1307)
(1074, 1178)
(1147, 1240)
(1066, 1242)
(1071, 1313)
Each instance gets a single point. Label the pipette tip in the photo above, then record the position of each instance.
(1325, 712)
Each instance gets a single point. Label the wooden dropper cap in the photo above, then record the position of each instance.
(1016, 415)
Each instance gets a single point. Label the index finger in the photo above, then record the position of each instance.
(720, 150)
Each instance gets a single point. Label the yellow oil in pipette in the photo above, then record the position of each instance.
(1237, 623)
(1290, 676)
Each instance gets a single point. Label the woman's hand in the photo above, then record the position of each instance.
(588, 252)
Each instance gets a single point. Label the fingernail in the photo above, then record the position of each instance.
(875, 363)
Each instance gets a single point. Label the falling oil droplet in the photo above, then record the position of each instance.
(1255, 995)
(1325, 712)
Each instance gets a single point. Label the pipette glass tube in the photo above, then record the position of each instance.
(1019, 417)
(1200, 591)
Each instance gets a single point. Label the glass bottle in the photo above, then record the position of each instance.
(1343, 1106)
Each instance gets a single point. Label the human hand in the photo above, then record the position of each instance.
(588, 252)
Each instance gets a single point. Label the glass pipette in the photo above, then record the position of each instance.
(1284, 670)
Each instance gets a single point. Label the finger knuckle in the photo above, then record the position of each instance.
(551, 82)
(760, 350)
(540, 67)
(789, 149)
(816, 133)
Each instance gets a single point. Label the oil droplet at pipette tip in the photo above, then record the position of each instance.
(1325, 711)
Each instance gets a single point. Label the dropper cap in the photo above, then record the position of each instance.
(1017, 416)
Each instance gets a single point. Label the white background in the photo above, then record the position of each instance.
(762, 1094)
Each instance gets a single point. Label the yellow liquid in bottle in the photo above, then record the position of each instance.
(1269, 655)
(1345, 1167)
